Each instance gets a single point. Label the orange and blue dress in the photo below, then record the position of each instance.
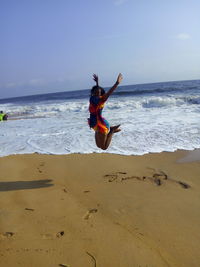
(96, 121)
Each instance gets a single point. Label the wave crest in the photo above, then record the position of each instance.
(124, 104)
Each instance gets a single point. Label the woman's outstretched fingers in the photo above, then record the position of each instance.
(95, 78)
(119, 78)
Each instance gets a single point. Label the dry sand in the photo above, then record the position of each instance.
(100, 210)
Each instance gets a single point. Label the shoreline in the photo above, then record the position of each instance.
(100, 209)
(188, 155)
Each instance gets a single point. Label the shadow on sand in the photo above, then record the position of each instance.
(21, 185)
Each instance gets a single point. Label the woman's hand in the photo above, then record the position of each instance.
(119, 78)
(96, 79)
(112, 89)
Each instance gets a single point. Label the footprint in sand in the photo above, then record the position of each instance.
(65, 190)
(52, 236)
(89, 212)
(59, 234)
(42, 164)
(29, 209)
(6, 235)
(86, 191)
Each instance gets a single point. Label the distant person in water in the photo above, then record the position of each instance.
(103, 131)
(3, 116)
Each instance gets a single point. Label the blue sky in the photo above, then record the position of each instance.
(56, 45)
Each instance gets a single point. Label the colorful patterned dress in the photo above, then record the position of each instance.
(96, 121)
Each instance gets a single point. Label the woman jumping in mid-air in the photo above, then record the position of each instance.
(103, 132)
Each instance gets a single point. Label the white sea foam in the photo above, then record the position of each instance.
(47, 109)
(149, 124)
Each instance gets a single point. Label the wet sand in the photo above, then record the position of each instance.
(100, 210)
(190, 156)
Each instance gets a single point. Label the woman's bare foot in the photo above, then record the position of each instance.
(115, 129)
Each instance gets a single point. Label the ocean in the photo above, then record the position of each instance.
(154, 118)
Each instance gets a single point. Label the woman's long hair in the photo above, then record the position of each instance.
(96, 87)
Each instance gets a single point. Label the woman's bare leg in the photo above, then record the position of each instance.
(103, 140)
(108, 140)
(100, 139)
(114, 129)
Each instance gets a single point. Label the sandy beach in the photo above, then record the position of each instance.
(100, 210)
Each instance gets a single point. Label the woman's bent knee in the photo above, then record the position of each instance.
(104, 147)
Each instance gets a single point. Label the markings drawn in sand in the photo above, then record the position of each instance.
(114, 176)
(158, 177)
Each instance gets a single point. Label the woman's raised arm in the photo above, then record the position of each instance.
(112, 89)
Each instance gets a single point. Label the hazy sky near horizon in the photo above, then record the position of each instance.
(56, 45)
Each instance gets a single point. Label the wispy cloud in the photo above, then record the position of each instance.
(183, 36)
(120, 2)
